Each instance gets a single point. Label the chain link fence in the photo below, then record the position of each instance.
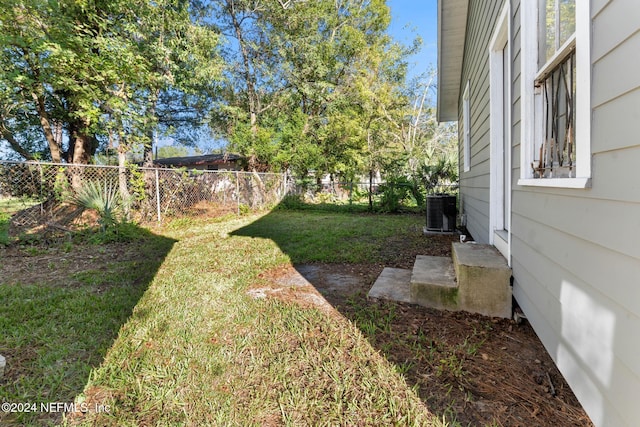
(152, 194)
(359, 192)
(37, 190)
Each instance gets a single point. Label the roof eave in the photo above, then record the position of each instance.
(452, 25)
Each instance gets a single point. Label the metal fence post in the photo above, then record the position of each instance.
(158, 195)
(284, 185)
(238, 192)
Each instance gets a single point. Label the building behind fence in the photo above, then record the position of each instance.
(152, 193)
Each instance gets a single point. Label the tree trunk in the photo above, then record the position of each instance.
(253, 100)
(81, 148)
(370, 190)
(54, 148)
(147, 158)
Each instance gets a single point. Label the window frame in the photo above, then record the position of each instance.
(531, 111)
(466, 129)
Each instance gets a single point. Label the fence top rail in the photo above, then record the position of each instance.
(66, 165)
(81, 165)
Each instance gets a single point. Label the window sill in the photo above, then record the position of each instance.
(556, 182)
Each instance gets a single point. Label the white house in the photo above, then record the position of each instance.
(547, 98)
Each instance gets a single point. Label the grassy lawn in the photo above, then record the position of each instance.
(170, 329)
(250, 319)
(197, 350)
(62, 307)
(8, 206)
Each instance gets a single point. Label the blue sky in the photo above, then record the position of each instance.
(416, 17)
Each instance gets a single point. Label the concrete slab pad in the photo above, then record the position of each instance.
(293, 280)
(392, 284)
(427, 232)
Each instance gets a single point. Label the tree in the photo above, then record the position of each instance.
(56, 59)
(424, 151)
(294, 93)
(84, 72)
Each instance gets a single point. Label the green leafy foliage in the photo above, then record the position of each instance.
(305, 86)
(395, 193)
(95, 71)
(303, 79)
(440, 174)
(4, 228)
(292, 202)
(104, 198)
(62, 186)
(137, 182)
(120, 232)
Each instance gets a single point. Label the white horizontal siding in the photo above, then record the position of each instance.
(474, 184)
(618, 180)
(613, 123)
(602, 222)
(539, 307)
(616, 73)
(562, 285)
(597, 6)
(611, 180)
(575, 253)
(584, 337)
(614, 24)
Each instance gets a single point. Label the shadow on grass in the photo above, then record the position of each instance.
(464, 367)
(62, 307)
(341, 256)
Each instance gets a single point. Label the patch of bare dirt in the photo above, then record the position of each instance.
(206, 209)
(472, 369)
(47, 264)
(51, 218)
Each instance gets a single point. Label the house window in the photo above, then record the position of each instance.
(556, 87)
(466, 129)
(557, 20)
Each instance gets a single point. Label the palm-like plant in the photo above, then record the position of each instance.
(103, 198)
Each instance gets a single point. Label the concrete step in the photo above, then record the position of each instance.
(484, 279)
(477, 280)
(433, 283)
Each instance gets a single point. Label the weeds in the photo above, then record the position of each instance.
(451, 366)
(372, 319)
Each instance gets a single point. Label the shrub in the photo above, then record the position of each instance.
(292, 202)
(394, 193)
(244, 209)
(103, 198)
